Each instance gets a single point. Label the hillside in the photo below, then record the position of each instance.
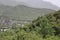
(46, 27)
(3, 8)
(24, 12)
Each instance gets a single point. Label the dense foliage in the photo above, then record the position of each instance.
(43, 28)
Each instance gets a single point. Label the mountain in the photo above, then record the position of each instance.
(29, 9)
(24, 12)
(3, 8)
(30, 3)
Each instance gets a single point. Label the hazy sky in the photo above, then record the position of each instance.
(55, 2)
(30, 2)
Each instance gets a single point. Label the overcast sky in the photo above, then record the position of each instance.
(55, 2)
(30, 2)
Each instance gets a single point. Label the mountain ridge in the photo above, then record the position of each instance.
(23, 12)
(30, 3)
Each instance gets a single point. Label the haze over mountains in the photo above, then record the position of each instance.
(23, 12)
(8, 2)
(30, 3)
(25, 9)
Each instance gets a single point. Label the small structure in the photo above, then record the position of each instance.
(4, 29)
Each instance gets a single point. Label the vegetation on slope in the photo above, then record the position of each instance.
(24, 12)
(43, 28)
(3, 8)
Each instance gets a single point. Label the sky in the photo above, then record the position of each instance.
(55, 2)
(31, 2)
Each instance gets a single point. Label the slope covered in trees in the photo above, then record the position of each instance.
(43, 28)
